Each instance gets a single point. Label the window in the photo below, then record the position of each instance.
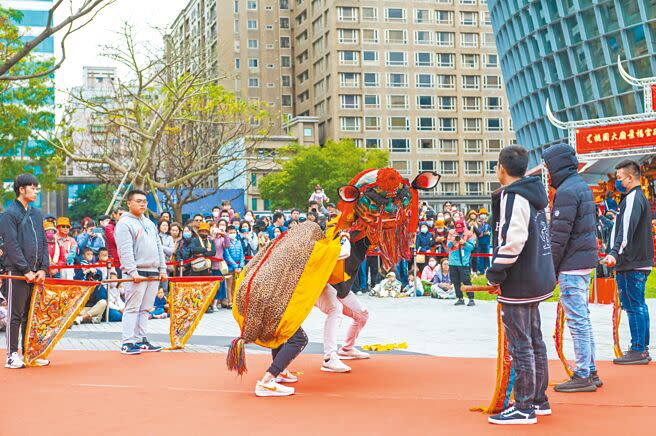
(467, 2)
(474, 188)
(493, 186)
(285, 42)
(493, 145)
(446, 81)
(449, 167)
(370, 57)
(492, 82)
(396, 58)
(447, 124)
(397, 80)
(349, 124)
(284, 23)
(349, 101)
(370, 36)
(445, 60)
(491, 61)
(471, 124)
(399, 145)
(395, 14)
(425, 81)
(251, 5)
(371, 80)
(444, 17)
(236, 7)
(401, 166)
(252, 43)
(397, 101)
(444, 39)
(468, 18)
(449, 189)
(236, 26)
(398, 124)
(348, 36)
(371, 101)
(493, 125)
(251, 24)
(471, 82)
(308, 131)
(469, 40)
(423, 37)
(490, 167)
(284, 4)
(472, 146)
(424, 59)
(285, 61)
(448, 146)
(396, 37)
(426, 165)
(471, 103)
(426, 144)
(348, 57)
(488, 40)
(372, 143)
(286, 100)
(422, 16)
(252, 63)
(347, 14)
(425, 124)
(237, 63)
(447, 103)
(425, 102)
(369, 14)
(349, 80)
(469, 60)
(492, 103)
(253, 82)
(371, 124)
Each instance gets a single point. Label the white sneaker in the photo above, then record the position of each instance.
(286, 377)
(334, 364)
(96, 319)
(14, 361)
(272, 389)
(41, 362)
(352, 353)
(78, 320)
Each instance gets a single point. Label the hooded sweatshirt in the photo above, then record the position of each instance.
(139, 246)
(573, 217)
(522, 262)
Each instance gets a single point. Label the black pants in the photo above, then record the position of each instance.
(373, 265)
(284, 354)
(460, 275)
(19, 296)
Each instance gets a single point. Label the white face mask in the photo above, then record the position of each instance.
(432, 264)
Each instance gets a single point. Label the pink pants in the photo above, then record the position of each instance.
(333, 307)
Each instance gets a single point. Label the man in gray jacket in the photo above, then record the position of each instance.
(141, 256)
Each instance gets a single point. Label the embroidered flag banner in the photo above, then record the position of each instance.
(189, 298)
(558, 338)
(54, 306)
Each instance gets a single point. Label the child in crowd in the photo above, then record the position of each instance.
(114, 299)
(429, 270)
(388, 287)
(414, 288)
(441, 286)
(97, 303)
(161, 306)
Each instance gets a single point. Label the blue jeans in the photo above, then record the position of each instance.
(402, 272)
(574, 292)
(631, 288)
(115, 315)
(362, 276)
(528, 352)
(221, 293)
(483, 262)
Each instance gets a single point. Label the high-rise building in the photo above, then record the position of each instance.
(420, 79)
(566, 52)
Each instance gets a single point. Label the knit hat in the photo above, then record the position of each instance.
(391, 274)
(63, 221)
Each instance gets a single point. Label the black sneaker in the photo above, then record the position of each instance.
(130, 348)
(460, 302)
(512, 415)
(471, 303)
(632, 357)
(210, 309)
(576, 384)
(147, 347)
(595, 379)
(542, 409)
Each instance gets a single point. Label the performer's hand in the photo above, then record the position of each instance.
(30, 276)
(163, 277)
(609, 261)
(137, 278)
(40, 277)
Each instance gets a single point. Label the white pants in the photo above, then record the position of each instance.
(333, 307)
(139, 300)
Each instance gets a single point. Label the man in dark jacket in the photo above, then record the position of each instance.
(26, 254)
(522, 267)
(574, 252)
(632, 251)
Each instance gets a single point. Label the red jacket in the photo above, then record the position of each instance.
(110, 241)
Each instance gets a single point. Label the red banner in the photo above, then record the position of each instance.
(653, 97)
(616, 137)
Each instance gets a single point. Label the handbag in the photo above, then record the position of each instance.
(200, 264)
(420, 258)
(223, 267)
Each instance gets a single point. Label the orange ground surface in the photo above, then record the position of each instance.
(106, 393)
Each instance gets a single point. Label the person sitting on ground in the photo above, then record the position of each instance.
(161, 306)
(429, 270)
(97, 303)
(441, 286)
(114, 299)
(414, 288)
(388, 287)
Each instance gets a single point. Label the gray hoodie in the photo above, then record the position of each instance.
(139, 246)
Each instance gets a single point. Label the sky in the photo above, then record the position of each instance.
(83, 48)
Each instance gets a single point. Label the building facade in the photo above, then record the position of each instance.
(566, 53)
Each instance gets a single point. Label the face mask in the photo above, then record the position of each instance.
(441, 229)
(424, 209)
(186, 234)
(424, 230)
(232, 236)
(430, 223)
(483, 217)
(619, 186)
(432, 264)
(215, 214)
(244, 230)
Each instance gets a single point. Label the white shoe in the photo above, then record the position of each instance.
(14, 361)
(272, 389)
(41, 362)
(351, 354)
(334, 364)
(78, 320)
(286, 377)
(96, 319)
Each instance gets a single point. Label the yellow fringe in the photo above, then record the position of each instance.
(208, 299)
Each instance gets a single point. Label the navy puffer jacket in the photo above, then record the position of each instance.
(573, 218)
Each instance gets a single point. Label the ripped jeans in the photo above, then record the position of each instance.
(334, 307)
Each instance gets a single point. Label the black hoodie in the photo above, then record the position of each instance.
(521, 262)
(573, 218)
